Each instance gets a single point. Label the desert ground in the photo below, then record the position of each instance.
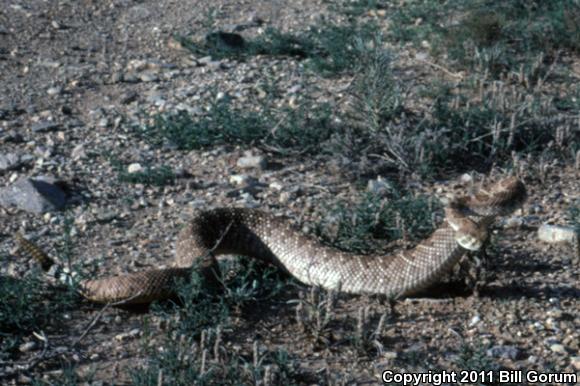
(356, 120)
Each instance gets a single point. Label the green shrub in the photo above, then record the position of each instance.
(363, 227)
(302, 129)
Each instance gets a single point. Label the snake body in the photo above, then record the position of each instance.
(273, 240)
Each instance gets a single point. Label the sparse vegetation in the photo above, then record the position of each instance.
(314, 314)
(200, 305)
(207, 362)
(360, 88)
(27, 305)
(198, 355)
(157, 176)
(302, 129)
(147, 175)
(474, 357)
(574, 215)
(23, 306)
(368, 334)
(360, 7)
(513, 31)
(374, 220)
(330, 49)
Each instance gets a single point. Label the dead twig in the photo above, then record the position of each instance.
(456, 75)
(100, 314)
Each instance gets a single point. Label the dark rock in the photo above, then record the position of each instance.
(33, 195)
(225, 41)
(506, 352)
(43, 127)
(128, 97)
(9, 161)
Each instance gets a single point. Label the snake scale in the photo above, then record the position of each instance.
(272, 239)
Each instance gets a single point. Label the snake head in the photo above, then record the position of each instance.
(501, 199)
(469, 216)
(468, 234)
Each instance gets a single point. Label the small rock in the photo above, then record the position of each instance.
(148, 77)
(514, 222)
(239, 179)
(116, 77)
(558, 348)
(390, 355)
(130, 77)
(135, 168)
(105, 216)
(52, 91)
(33, 195)
(204, 61)
(252, 162)
(575, 362)
(466, 178)
(26, 347)
(9, 161)
(128, 97)
(475, 320)
(557, 234)
(225, 40)
(506, 352)
(285, 197)
(276, 185)
(128, 335)
(78, 152)
(555, 313)
(294, 89)
(43, 127)
(379, 186)
(103, 122)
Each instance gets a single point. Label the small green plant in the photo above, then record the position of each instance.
(302, 129)
(361, 7)
(378, 97)
(476, 133)
(28, 304)
(149, 175)
(574, 215)
(341, 46)
(315, 312)
(198, 305)
(474, 357)
(23, 306)
(252, 281)
(186, 361)
(156, 176)
(222, 124)
(378, 105)
(363, 227)
(368, 332)
(202, 303)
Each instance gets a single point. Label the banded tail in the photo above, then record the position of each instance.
(34, 251)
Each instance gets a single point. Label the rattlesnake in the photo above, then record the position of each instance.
(271, 239)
